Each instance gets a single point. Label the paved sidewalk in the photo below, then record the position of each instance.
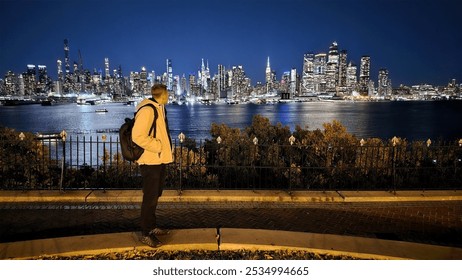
(431, 221)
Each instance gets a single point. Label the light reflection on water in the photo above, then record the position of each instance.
(411, 120)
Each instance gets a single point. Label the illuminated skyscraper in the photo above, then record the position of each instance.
(106, 68)
(119, 72)
(76, 68)
(21, 85)
(135, 84)
(66, 56)
(332, 68)
(285, 82)
(333, 53)
(204, 75)
(169, 74)
(364, 73)
(183, 85)
(193, 88)
(268, 76)
(351, 78)
(176, 88)
(11, 83)
(238, 84)
(293, 83)
(222, 85)
(320, 65)
(80, 62)
(308, 74)
(151, 79)
(384, 83)
(342, 69)
(144, 87)
(42, 81)
(59, 65)
(30, 80)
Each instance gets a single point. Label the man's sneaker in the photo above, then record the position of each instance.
(150, 240)
(159, 231)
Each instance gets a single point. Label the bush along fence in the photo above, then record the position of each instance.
(263, 156)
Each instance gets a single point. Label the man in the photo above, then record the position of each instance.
(153, 162)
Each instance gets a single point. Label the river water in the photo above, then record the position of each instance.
(413, 120)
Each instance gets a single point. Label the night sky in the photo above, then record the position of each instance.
(418, 41)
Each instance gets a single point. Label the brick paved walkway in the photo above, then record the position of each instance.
(438, 223)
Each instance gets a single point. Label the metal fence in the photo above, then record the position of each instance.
(95, 162)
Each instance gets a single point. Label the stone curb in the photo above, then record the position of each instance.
(231, 239)
(173, 196)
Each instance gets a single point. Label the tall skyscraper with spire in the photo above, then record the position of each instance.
(204, 75)
(268, 71)
(268, 76)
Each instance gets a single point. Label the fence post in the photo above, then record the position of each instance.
(361, 170)
(220, 173)
(255, 144)
(181, 137)
(63, 135)
(394, 141)
(458, 159)
(291, 141)
(103, 138)
(21, 137)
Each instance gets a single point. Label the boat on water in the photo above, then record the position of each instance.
(104, 110)
(88, 101)
(92, 99)
(52, 136)
(135, 100)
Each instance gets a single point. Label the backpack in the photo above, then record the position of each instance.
(130, 150)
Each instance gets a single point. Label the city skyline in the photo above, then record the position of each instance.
(397, 35)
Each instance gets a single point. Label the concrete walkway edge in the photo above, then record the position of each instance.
(231, 239)
(134, 196)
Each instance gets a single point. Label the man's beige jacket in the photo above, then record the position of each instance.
(156, 150)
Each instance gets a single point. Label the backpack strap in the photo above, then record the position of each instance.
(156, 115)
(168, 129)
(166, 120)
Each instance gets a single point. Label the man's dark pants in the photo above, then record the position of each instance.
(153, 182)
